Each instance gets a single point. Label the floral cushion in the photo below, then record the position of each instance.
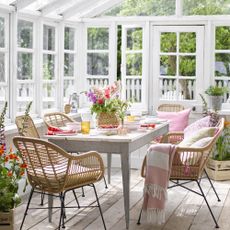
(177, 120)
(197, 125)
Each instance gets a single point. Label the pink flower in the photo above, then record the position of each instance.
(107, 93)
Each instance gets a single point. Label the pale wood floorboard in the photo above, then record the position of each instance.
(184, 210)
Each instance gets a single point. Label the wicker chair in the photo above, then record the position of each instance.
(52, 170)
(170, 107)
(189, 166)
(26, 126)
(57, 119)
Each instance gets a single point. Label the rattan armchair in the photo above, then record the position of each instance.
(52, 170)
(189, 166)
(57, 119)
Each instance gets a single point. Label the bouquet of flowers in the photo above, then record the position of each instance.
(12, 170)
(107, 100)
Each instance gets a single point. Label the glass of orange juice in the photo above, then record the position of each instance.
(85, 127)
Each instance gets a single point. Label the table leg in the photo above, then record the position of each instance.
(125, 167)
(109, 160)
(50, 205)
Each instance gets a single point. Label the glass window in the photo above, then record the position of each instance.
(48, 66)
(204, 7)
(98, 51)
(68, 64)
(98, 38)
(48, 37)
(2, 32)
(222, 57)
(2, 67)
(69, 38)
(25, 34)
(143, 8)
(25, 66)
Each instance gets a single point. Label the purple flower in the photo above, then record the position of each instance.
(92, 97)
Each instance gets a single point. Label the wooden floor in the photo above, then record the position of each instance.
(185, 210)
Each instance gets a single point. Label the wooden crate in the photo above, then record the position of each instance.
(218, 170)
(7, 220)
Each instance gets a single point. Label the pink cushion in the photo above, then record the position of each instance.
(192, 128)
(177, 120)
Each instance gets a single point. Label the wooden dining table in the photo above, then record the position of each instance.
(111, 144)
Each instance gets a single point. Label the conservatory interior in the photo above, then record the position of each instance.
(114, 114)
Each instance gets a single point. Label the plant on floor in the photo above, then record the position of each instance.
(12, 170)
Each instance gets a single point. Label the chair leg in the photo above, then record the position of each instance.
(62, 215)
(27, 207)
(83, 192)
(139, 219)
(99, 206)
(42, 198)
(202, 193)
(75, 196)
(106, 186)
(212, 186)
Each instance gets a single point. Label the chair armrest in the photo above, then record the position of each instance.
(173, 137)
(88, 162)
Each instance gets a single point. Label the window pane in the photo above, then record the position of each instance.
(168, 89)
(134, 39)
(68, 64)
(98, 63)
(134, 64)
(168, 42)
(187, 89)
(69, 88)
(48, 37)
(223, 38)
(49, 90)
(2, 32)
(25, 90)
(187, 66)
(98, 38)
(69, 38)
(168, 65)
(48, 66)
(25, 34)
(204, 7)
(25, 65)
(143, 8)
(222, 65)
(2, 67)
(188, 42)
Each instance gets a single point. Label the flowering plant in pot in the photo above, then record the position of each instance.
(12, 170)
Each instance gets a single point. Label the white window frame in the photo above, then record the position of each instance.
(33, 80)
(200, 29)
(56, 80)
(5, 51)
(143, 105)
(214, 78)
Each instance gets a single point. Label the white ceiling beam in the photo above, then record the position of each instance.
(52, 7)
(79, 7)
(6, 8)
(23, 3)
(101, 7)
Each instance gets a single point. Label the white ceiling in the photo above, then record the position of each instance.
(67, 9)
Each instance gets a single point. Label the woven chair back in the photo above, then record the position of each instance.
(170, 107)
(47, 165)
(57, 119)
(26, 127)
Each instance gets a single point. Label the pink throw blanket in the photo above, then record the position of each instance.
(158, 166)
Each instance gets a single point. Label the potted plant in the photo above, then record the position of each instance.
(11, 172)
(218, 166)
(216, 94)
